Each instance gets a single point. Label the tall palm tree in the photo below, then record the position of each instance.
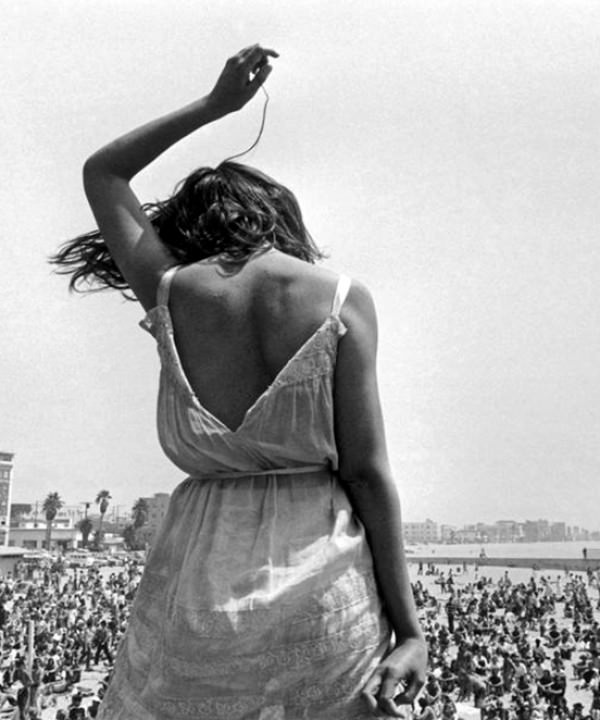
(102, 499)
(51, 505)
(139, 511)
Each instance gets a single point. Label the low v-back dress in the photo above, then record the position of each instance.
(258, 599)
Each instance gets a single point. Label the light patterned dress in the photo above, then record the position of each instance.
(258, 600)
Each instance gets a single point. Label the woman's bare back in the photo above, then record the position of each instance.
(235, 331)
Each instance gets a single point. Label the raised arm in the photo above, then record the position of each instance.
(366, 476)
(125, 228)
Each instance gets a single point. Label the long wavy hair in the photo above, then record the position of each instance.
(232, 211)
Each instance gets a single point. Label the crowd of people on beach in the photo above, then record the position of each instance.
(513, 651)
(72, 620)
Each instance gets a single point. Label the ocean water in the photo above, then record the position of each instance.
(509, 550)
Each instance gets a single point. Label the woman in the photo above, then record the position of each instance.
(263, 596)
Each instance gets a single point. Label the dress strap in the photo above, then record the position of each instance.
(341, 292)
(164, 286)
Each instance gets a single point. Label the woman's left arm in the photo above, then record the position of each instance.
(125, 228)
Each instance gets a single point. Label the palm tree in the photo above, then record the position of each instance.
(85, 527)
(52, 504)
(139, 511)
(128, 534)
(102, 499)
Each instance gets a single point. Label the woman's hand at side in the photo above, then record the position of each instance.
(240, 79)
(366, 476)
(398, 678)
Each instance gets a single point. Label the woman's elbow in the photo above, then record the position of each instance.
(371, 474)
(92, 172)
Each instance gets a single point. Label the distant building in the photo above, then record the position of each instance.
(17, 510)
(468, 534)
(36, 518)
(6, 469)
(507, 531)
(421, 532)
(448, 534)
(503, 531)
(34, 538)
(28, 528)
(578, 533)
(536, 530)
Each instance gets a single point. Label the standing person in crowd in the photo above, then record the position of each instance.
(36, 681)
(23, 679)
(101, 639)
(278, 584)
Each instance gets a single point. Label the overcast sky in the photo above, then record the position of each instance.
(445, 153)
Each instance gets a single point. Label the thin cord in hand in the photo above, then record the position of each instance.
(260, 132)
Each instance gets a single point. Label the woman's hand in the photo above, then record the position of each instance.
(241, 78)
(398, 678)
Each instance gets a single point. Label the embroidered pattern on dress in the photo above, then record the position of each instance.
(351, 588)
(357, 637)
(303, 699)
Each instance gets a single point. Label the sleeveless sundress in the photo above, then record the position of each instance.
(258, 599)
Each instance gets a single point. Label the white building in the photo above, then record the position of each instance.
(29, 530)
(421, 532)
(6, 469)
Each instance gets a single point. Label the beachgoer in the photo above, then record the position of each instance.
(36, 681)
(23, 680)
(75, 711)
(425, 711)
(595, 704)
(263, 593)
(101, 641)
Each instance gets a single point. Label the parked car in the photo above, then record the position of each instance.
(37, 556)
(80, 559)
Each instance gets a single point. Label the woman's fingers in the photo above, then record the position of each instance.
(387, 692)
(257, 56)
(251, 58)
(392, 695)
(371, 690)
(389, 707)
(261, 75)
(380, 692)
(251, 64)
(413, 688)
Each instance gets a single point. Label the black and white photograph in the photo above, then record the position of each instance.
(299, 360)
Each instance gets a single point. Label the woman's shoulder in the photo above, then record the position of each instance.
(271, 288)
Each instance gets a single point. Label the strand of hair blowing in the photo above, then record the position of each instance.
(232, 210)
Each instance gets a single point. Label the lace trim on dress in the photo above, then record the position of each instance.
(361, 635)
(301, 698)
(314, 359)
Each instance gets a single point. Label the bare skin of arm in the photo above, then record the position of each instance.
(127, 231)
(366, 476)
